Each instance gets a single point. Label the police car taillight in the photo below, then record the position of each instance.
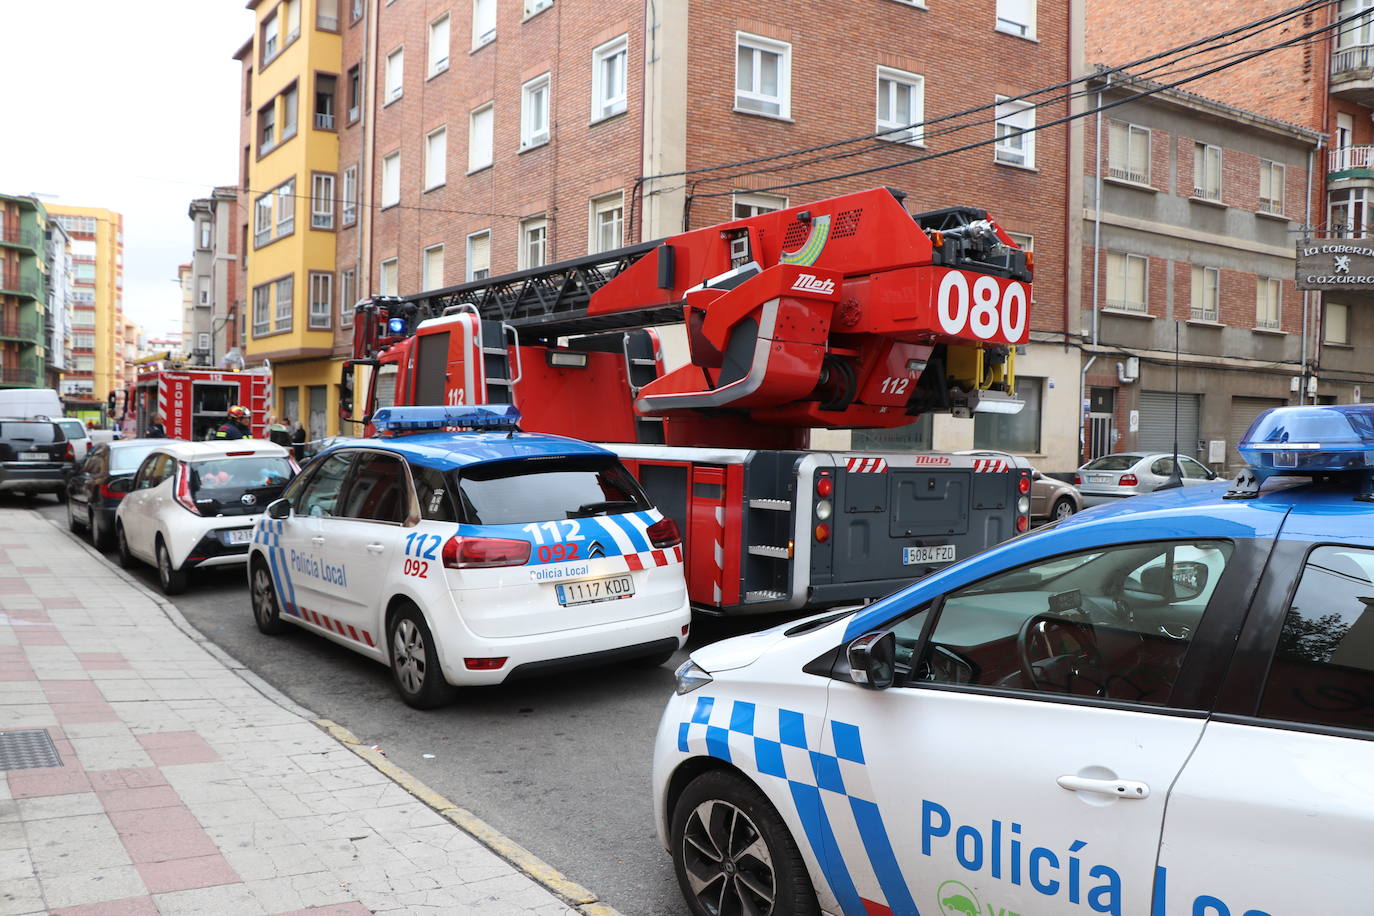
(182, 493)
(663, 534)
(482, 553)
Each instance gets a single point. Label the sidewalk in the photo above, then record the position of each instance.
(183, 788)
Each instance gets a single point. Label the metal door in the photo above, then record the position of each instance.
(1157, 422)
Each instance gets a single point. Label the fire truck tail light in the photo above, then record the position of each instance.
(1023, 506)
(483, 553)
(182, 494)
(824, 509)
(1022, 522)
(822, 533)
(1023, 484)
(663, 534)
(824, 487)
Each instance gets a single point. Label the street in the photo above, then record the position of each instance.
(560, 764)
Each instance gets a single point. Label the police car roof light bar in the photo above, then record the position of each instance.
(396, 420)
(1308, 441)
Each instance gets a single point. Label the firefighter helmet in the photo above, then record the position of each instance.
(240, 413)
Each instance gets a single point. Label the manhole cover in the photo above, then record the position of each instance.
(27, 750)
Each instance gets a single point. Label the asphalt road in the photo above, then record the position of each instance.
(559, 764)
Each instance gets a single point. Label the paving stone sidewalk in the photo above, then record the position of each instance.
(184, 789)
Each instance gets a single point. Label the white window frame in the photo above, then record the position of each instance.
(293, 21)
(1206, 279)
(284, 310)
(1008, 24)
(595, 208)
(321, 311)
(606, 105)
(348, 196)
(1268, 303)
(467, 261)
(1201, 153)
(426, 281)
(262, 219)
(760, 46)
(286, 207)
(535, 7)
(323, 20)
(391, 179)
(436, 160)
(270, 33)
(1277, 176)
(203, 341)
(483, 23)
(204, 235)
(899, 130)
(477, 143)
(322, 200)
(1020, 152)
(528, 228)
(1327, 338)
(535, 98)
(755, 203)
(1119, 156)
(388, 269)
(438, 47)
(1118, 269)
(348, 285)
(394, 74)
(290, 112)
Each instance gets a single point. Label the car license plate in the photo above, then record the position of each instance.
(914, 555)
(1100, 478)
(238, 536)
(33, 456)
(594, 590)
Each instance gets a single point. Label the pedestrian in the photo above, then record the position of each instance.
(238, 426)
(298, 442)
(279, 431)
(155, 428)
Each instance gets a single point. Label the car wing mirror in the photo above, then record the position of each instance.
(1189, 579)
(279, 509)
(873, 660)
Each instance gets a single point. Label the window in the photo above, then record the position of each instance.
(536, 6)
(377, 491)
(438, 45)
(1271, 187)
(533, 242)
(386, 278)
(1358, 33)
(395, 73)
(1206, 293)
(1206, 171)
(1122, 620)
(483, 22)
(321, 201)
(286, 207)
(1336, 323)
(293, 20)
(83, 341)
(349, 198)
(267, 128)
(518, 492)
(327, 15)
(479, 139)
(1268, 298)
(348, 292)
(607, 223)
(1349, 207)
(1128, 153)
(203, 342)
(356, 10)
(432, 276)
(285, 290)
(326, 88)
(763, 76)
(262, 220)
(288, 112)
(320, 496)
(436, 157)
(479, 255)
(1018, 432)
(83, 363)
(1127, 282)
(901, 105)
(321, 300)
(202, 290)
(1324, 662)
(1016, 17)
(391, 179)
(1014, 131)
(355, 93)
(262, 303)
(268, 40)
(746, 205)
(609, 66)
(534, 112)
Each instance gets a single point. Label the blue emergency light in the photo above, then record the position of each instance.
(392, 420)
(396, 326)
(1308, 441)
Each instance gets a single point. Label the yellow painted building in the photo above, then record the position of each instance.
(290, 152)
(98, 293)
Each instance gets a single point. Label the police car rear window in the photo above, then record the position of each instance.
(546, 489)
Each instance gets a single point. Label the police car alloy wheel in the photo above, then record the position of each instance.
(126, 559)
(173, 580)
(266, 611)
(733, 854)
(414, 663)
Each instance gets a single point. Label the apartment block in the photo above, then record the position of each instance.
(23, 291)
(209, 312)
(57, 334)
(97, 318)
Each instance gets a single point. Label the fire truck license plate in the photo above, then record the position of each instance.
(914, 555)
(594, 590)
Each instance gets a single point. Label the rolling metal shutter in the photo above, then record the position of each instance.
(1157, 422)
(1243, 411)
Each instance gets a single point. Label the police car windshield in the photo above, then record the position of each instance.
(546, 489)
(239, 474)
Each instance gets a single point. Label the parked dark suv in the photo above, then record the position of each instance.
(35, 457)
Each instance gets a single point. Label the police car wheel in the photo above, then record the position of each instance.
(126, 559)
(1063, 508)
(173, 581)
(266, 611)
(733, 853)
(414, 663)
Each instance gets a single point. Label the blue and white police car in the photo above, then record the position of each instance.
(470, 557)
(1165, 710)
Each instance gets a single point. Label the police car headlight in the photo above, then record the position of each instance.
(690, 676)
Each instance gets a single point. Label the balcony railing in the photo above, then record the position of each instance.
(10, 235)
(24, 286)
(1343, 60)
(19, 330)
(1345, 158)
(324, 121)
(27, 377)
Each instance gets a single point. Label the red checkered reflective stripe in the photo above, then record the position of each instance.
(866, 465)
(336, 626)
(653, 558)
(990, 465)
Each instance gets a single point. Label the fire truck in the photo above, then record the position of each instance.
(847, 313)
(195, 402)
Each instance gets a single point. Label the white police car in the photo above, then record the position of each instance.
(470, 557)
(1162, 710)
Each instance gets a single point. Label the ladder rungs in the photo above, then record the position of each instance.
(644, 362)
(767, 550)
(763, 595)
(494, 350)
(777, 505)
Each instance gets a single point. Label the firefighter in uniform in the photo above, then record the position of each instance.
(238, 424)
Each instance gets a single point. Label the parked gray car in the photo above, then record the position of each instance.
(1051, 498)
(1114, 477)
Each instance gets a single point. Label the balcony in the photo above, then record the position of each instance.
(11, 329)
(20, 238)
(324, 121)
(1352, 73)
(21, 378)
(1345, 163)
(20, 285)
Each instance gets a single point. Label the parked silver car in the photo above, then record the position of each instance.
(1114, 477)
(1051, 498)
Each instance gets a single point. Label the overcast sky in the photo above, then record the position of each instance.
(131, 106)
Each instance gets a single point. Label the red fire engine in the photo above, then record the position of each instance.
(846, 313)
(195, 402)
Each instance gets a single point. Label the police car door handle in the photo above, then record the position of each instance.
(375, 548)
(317, 541)
(1118, 788)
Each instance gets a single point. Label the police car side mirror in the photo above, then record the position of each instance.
(873, 660)
(279, 509)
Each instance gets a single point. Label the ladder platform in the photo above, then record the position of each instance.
(763, 595)
(776, 505)
(767, 550)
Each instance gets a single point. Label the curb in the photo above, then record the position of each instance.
(524, 861)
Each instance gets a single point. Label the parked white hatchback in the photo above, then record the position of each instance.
(193, 504)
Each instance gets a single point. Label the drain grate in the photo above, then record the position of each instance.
(27, 750)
